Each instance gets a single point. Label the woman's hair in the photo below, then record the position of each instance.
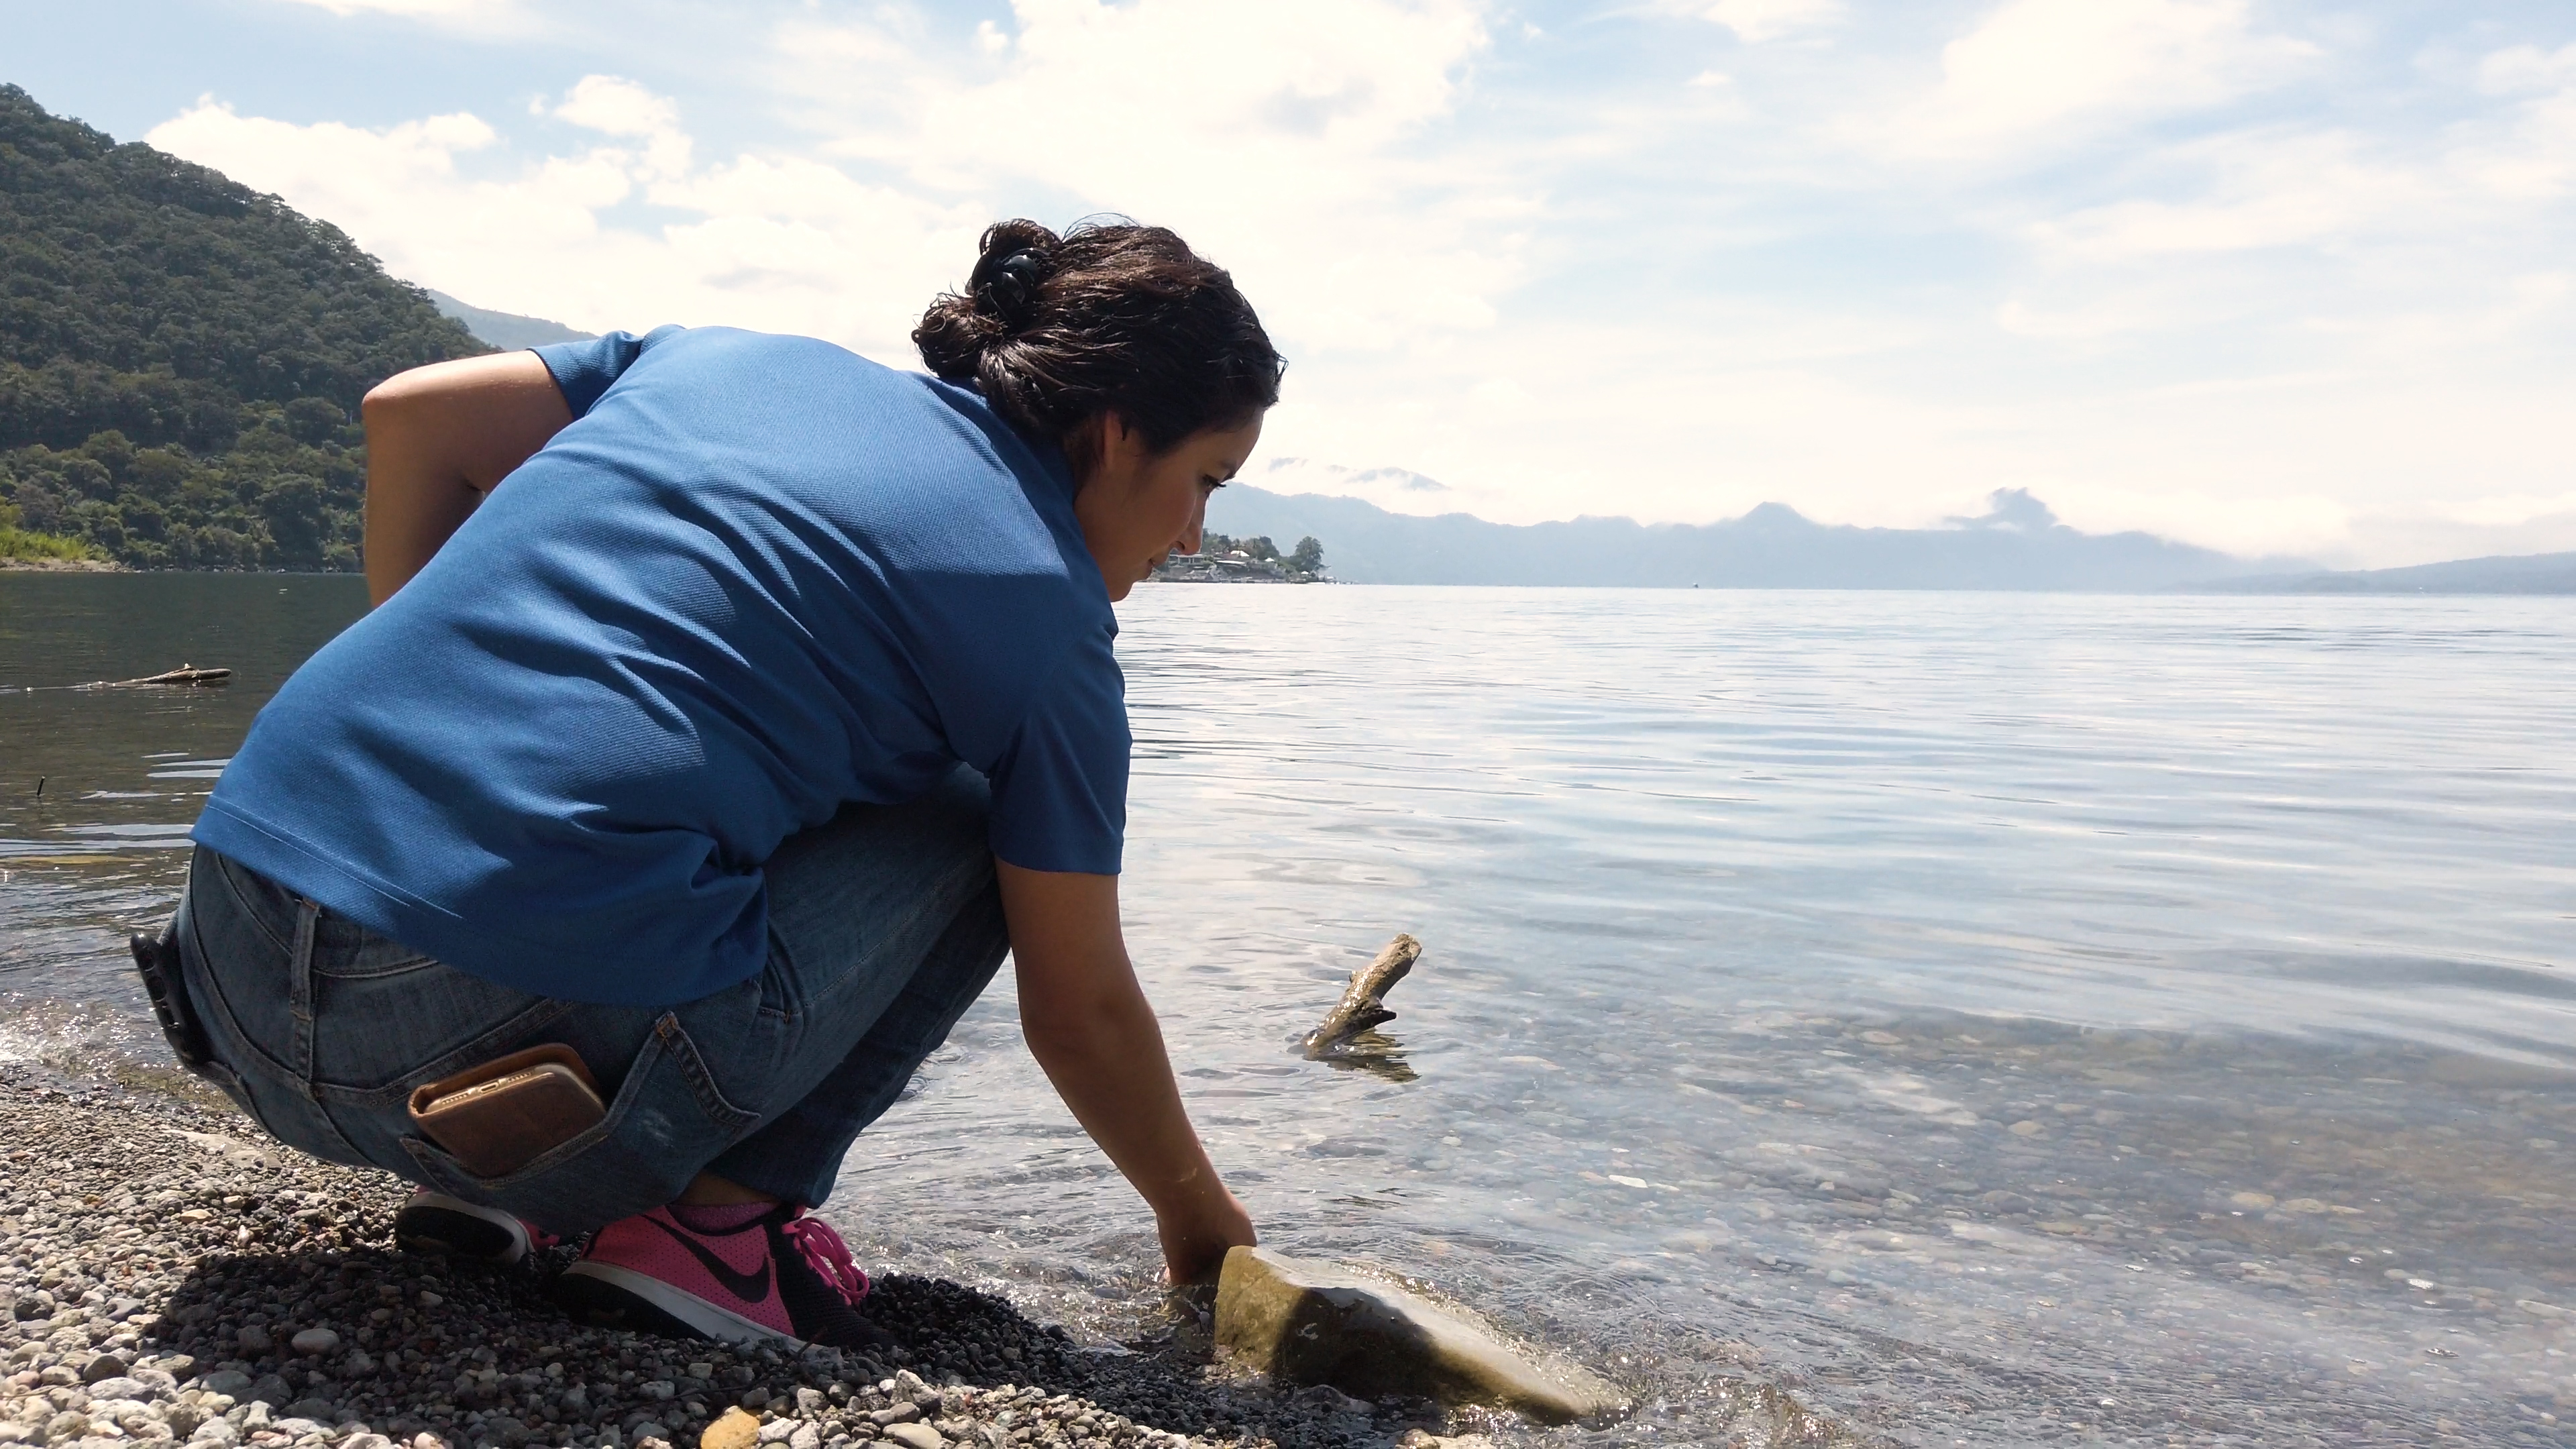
(1110, 317)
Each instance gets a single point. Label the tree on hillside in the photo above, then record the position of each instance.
(181, 358)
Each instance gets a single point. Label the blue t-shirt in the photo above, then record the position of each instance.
(756, 579)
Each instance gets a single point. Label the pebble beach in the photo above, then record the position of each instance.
(167, 1275)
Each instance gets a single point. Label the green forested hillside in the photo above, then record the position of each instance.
(181, 358)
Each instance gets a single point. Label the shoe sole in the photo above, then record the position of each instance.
(607, 1296)
(436, 1223)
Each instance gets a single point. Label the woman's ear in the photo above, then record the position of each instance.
(1085, 448)
(1106, 445)
(1121, 447)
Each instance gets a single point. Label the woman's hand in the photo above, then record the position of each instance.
(1195, 1239)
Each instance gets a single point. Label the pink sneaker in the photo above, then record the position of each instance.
(433, 1222)
(781, 1277)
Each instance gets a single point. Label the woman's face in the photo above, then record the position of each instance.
(1136, 507)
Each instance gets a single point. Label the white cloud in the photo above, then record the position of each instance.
(2527, 68)
(2536, 157)
(2046, 73)
(2267, 190)
(1754, 21)
(788, 244)
(1277, 138)
(616, 107)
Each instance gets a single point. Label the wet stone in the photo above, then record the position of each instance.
(1310, 1323)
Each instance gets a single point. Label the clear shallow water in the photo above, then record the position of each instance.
(1993, 1019)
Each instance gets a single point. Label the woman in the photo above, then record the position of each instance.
(730, 706)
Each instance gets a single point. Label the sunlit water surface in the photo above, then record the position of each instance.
(1992, 1019)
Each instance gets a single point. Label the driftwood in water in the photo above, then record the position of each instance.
(184, 674)
(1363, 1003)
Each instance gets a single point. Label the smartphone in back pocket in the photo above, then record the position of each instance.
(504, 1114)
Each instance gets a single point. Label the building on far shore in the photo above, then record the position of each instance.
(1223, 560)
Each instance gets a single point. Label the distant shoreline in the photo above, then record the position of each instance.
(73, 566)
(2297, 586)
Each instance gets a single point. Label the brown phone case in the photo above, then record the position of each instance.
(502, 1115)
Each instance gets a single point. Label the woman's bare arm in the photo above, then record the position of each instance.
(1088, 1024)
(438, 439)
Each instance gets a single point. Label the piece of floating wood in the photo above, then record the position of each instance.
(186, 674)
(1363, 1003)
(1310, 1323)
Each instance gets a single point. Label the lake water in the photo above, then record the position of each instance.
(1990, 1019)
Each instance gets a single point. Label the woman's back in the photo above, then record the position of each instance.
(757, 578)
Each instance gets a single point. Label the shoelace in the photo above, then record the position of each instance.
(825, 1253)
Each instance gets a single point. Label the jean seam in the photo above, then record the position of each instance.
(243, 910)
(379, 973)
(683, 1053)
(299, 993)
(308, 921)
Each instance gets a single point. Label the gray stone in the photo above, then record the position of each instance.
(1313, 1324)
(254, 1340)
(314, 1341)
(916, 1436)
(231, 1383)
(119, 1388)
(103, 1366)
(216, 1432)
(271, 1390)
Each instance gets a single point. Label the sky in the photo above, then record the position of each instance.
(2279, 278)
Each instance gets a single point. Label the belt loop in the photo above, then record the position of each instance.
(300, 991)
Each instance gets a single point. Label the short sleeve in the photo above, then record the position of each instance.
(1060, 787)
(584, 370)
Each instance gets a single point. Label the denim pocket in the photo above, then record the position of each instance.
(667, 1122)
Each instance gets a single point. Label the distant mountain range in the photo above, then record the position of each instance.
(506, 330)
(2016, 544)
(2536, 573)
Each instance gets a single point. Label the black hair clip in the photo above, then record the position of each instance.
(1012, 289)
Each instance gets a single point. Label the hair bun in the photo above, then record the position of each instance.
(1009, 288)
(1015, 260)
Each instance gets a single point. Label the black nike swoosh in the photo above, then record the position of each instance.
(749, 1287)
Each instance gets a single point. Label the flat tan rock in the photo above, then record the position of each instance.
(1311, 1323)
(733, 1429)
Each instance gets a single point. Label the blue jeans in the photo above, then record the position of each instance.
(884, 925)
